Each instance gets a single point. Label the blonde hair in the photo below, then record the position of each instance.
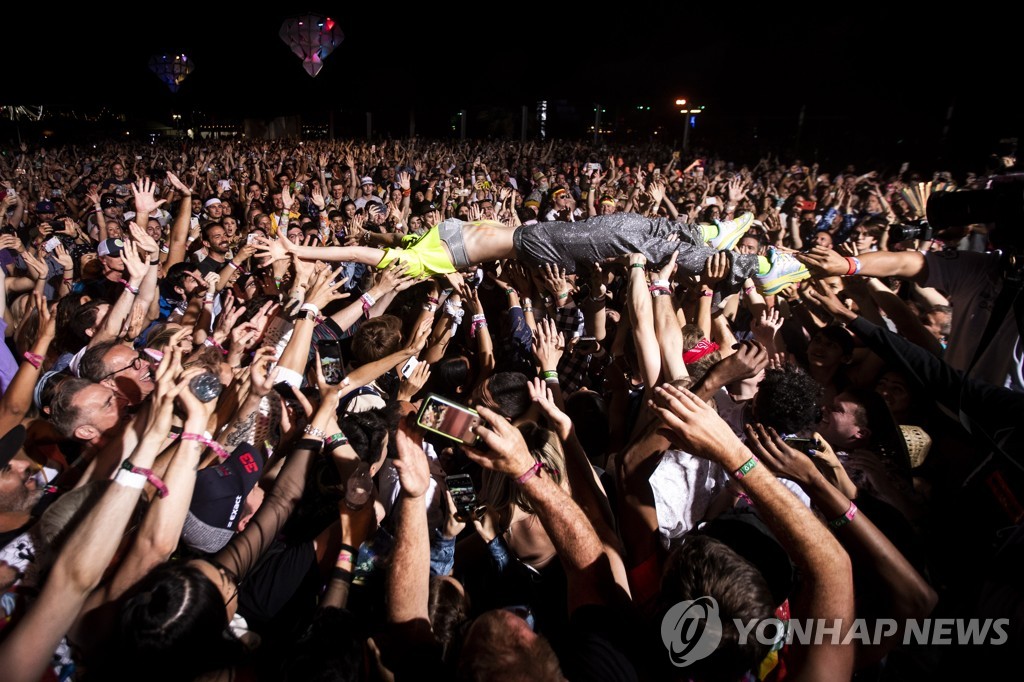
(500, 492)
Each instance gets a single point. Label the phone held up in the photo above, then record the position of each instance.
(331, 363)
(449, 419)
(467, 507)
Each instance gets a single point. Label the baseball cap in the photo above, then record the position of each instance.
(110, 247)
(218, 497)
(46, 207)
(108, 201)
(367, 180)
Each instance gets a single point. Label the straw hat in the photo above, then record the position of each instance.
(918, 444)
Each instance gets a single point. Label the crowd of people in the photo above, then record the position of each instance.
(691, 379)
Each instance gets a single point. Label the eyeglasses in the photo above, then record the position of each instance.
(138, 363)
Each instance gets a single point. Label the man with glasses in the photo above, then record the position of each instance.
(120, 368)
(562, 207)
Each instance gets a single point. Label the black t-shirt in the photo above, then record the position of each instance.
(122, 188)
(281, 591)
(208, 265)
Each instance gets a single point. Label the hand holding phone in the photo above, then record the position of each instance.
(449, 419)
(467, 507)
(330, 361)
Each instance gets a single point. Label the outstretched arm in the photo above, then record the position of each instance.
(826, 576)
(26, 652)
(281, 249)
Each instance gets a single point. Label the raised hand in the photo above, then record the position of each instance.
(541, 394)
(824, 262)
(822, 294)
(670, 266)
(693, 425)
(142, 239)
(415, 382)
(411, 463)
(735, 191)
(555, 281)
(63, 258)
(506, 451)
(262, 377)
(716, 269)
(37, 268)
(782, 459)
(324, 288)
(767, 326)
(317, 195)
(271, 250)
(177, 184)
(133, 263)
(548, 344)
(143, 193)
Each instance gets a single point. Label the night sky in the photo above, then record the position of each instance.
(890, 74)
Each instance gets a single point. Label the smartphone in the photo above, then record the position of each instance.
(252, 237)
(51, 244)
(464, 496)
(807, 205)
(804, 445)
(449, 419)
(11, 192)
(587, 345)
(409, 367)
(330, 360)
(591, 167)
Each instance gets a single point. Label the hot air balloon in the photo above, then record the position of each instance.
(172, 69)
(312, 37)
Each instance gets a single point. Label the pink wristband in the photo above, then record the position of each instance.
(530, 473)
(153, 479)
(34, 359)
(222, 454)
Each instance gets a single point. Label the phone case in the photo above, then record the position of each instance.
(438, 399)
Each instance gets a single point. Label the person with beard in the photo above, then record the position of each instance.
(218, 249)
(19, 491)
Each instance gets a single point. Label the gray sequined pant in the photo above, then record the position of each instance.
(610, 236)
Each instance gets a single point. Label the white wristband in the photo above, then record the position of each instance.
(130, 479)
(289, 376)
(311, 307)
